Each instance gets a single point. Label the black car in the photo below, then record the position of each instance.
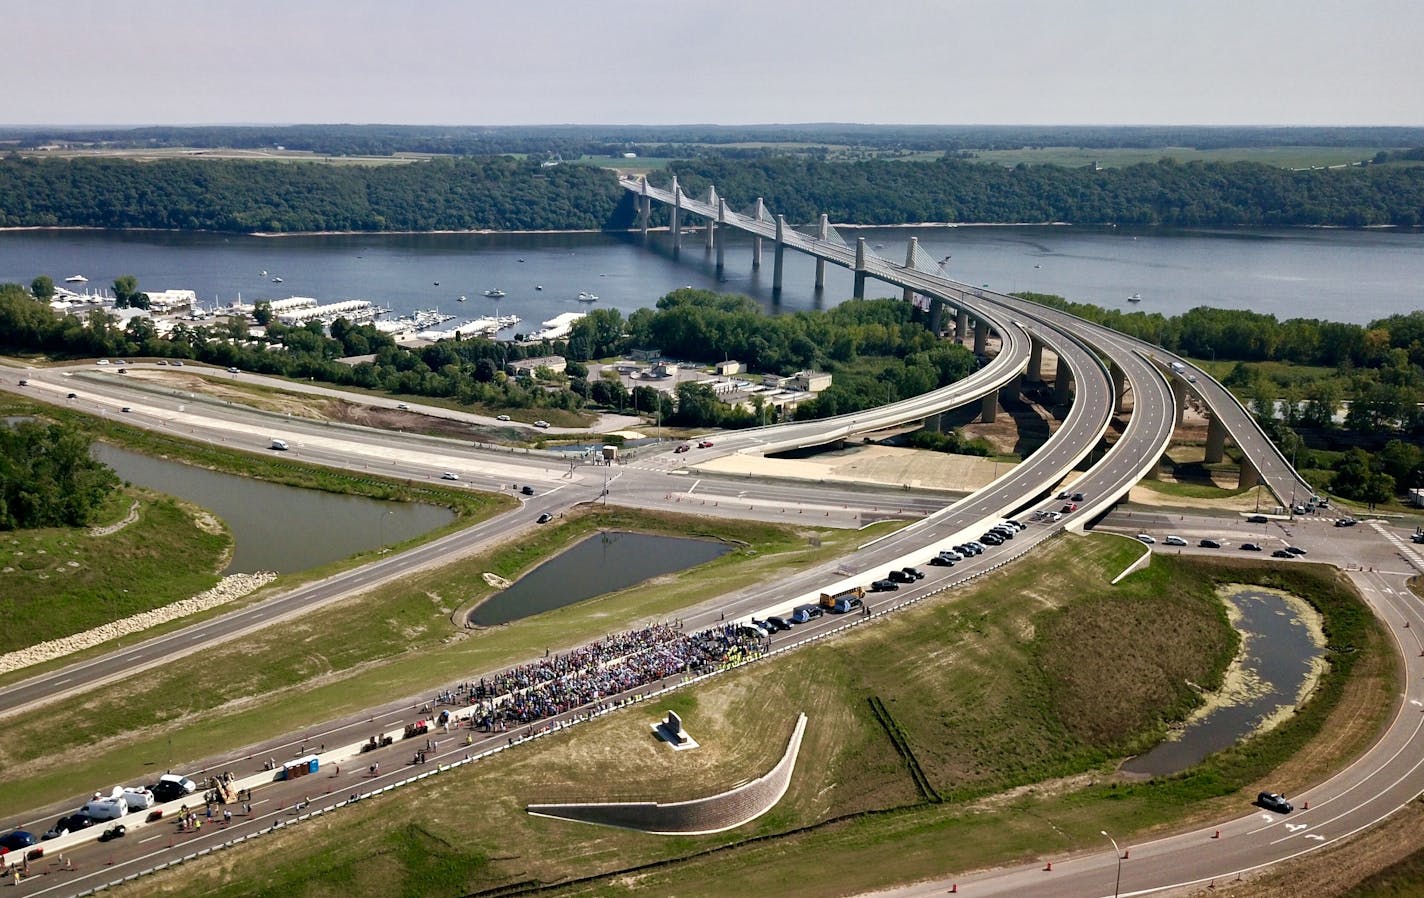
(901, 577)
(941, 561)
(1282, 553)
(1274, 801)
(68, 824)
(1295, 550)
(991, 539)
(1077, 497)
(117, 831)
(527, 490)
(167, 790)
(17, 839)
(545, 518)
(1250, 547)
(884, 586)
(778, 623)
(1257, 519)
(1209, 544)
(913, 573)
(1346, 522)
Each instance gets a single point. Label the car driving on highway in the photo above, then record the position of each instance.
(1274, 801)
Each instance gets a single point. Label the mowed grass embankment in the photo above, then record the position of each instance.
(1036, 673)
(394, 641)
(58, 581)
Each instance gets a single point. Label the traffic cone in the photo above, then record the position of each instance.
(954, 889)
(1217, 835)
(1048, 868)
(1126, 853)
(1305, 806)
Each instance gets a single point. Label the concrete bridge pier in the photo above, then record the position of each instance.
(758, 214)
(859, 292)
(989, 408)
(1249, 475)
(909, 295)
(645, 210)
(1179, 401)
(981, 337)
(1119, 384)
(780, 251)
(961, 324)
(721, 234)
(1034, 373)
(823, 231)
(676, 215)
(711, 223)
(1215, 441)
(936, 315)
(1062, 383)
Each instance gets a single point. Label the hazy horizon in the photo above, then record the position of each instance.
(1103, 63)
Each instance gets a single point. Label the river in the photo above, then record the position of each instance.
(1339, 275)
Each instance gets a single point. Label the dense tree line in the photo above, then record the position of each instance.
(1161, 193)
(497, 193)
(685, 140)
(47, 478)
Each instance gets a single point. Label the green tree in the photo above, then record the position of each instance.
(262, 314)
(48, 479)
(43, 287)
(125, 290)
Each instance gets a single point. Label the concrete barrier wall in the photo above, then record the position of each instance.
(700, 816)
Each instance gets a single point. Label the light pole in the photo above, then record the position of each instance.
(1117, 883)
(384, 515)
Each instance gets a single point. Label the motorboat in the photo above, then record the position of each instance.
(538, 286)
(462, 297)
(276, 280)
(585, 296)
(76, 279)
(494, 294)
(1136, 297)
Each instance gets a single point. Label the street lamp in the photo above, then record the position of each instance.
(1117, 883)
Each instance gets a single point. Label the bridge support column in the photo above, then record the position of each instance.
(711, 223)
(1179, 401)
(909, 295)
(936, 315)
(989, 408)
(961, 324)
(1119, 384)
(780, 251)
(1034, 374)
(1062, 383)
(676, 215)
(935, 422)
(645, 209)
(721, 234)
(823, 231)
(1249, 475)
(859, 292)
(1215, 441)
(758, 214)
(981, 337)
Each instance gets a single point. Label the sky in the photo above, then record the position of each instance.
(501, 62)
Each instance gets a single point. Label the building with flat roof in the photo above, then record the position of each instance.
(555, 363)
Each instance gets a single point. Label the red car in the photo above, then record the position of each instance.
(1071, 506)
(705, 444)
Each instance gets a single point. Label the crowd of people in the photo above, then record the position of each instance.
(597, 672)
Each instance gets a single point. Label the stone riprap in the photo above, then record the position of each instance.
(233, 586)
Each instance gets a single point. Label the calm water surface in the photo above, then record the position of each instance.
(280, 528)
(602, 563)
(1278, 656)
(1333, 274)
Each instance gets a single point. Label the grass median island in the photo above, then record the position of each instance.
(1000, 691)
(393, 641)
(64, 580)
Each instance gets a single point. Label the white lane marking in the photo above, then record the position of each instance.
(694, 486)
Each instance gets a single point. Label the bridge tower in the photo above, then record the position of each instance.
(645, 209)
(711, 223)
(780, 251)
(859, 292)
(910, 247)
(823, 232)
(721, 233)
(676, 215)
(758, 214)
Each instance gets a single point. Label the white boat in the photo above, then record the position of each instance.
(1136, 297)
(538, 286)
(76, 279)
(462, 297)
(494, 294)
(264, 272)
(585, 296)
(276, 280)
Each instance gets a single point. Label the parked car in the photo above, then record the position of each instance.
(778, 623)
(953, 554)
(403, 407)
(1064, 495)
(991, 539)
(67, 824)
(1274, 801)
(901, 577)
(545, 518)
(23, 382)
(1250, 547)
(126, 409)
(1257, 519)
(913, 573)
(171, 786)
(1146, 538)
(1209, 544)
(17, 840)
(117, 831)
(1077, 497)
(1296, 550)
(1281, 553)
(804, 613)
(72, 396)
(884, 586)
(1069, 508)
(1175, 541)
(501, 417)
(230, 370)
(942, 560)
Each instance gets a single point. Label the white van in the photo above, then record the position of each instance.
(105, 808)
(280, 445)
(138, 799)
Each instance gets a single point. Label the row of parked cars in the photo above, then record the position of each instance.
(101, 809)
(1208, 543)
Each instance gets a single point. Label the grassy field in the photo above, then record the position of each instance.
(1285, 157)
(395, 641)
(1026, 677)
(60, 580)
